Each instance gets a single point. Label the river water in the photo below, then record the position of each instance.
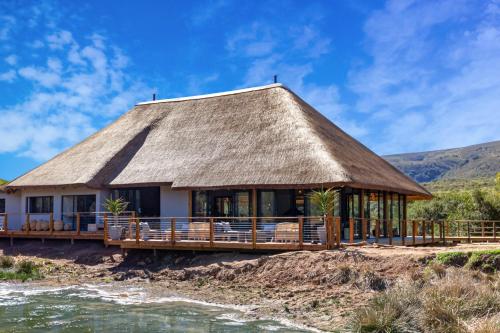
(94, 308)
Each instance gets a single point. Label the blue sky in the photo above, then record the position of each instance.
(399, 76)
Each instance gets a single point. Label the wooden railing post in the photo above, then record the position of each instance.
(432, 230)
(377, 230)
(351, 230)
(137, 231)
(423, 231)
(28, 223)
(414, 232)
(364, 228)
(254, 232)
(105, 218)
(482, 229)
(211, 232)
(445, 231)
(403, 232)
(78, 221)
(172, 231)
(389, 226)
(338, 232)
(130, 221)
(301, 232)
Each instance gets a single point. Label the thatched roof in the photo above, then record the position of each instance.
(260, 137)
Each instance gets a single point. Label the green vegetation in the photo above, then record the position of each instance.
(23, 270)
(480, 183)
(448, 300)
(115, 206)
(324, 200)
(3, 181)
(465, 204)
(487, 261)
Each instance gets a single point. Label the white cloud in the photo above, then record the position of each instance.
(8, 76)
(83, 84)
(11, 59)
(7, 23)
(434, 77)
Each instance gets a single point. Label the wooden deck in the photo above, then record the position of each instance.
(250, 234)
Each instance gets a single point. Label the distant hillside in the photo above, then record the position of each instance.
(3, 181)
(477, 161)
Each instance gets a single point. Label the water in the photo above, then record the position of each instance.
(31, 308)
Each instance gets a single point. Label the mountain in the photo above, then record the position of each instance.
(477, 161)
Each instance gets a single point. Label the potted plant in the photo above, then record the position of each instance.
(324, 200)
(115, 207)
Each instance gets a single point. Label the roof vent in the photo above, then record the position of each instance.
(275, 78)
(154, 97)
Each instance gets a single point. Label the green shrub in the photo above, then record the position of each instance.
(457, 259)
(487, 261)
(27, 267)
(6, 262)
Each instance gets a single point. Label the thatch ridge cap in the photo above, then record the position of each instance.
(218, 94)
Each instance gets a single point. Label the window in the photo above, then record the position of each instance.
(267, 203)
(72, 204)
(242, 204)
(39, 205)
(2, 206)
(200, 203)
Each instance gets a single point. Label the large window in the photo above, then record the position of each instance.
(200, 203)
(145, 201)
(83, 204)
(242, 203)
(39, 205)
(267, 203)
(2, 206)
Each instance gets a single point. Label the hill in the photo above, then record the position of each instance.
(477, 161)
(3, 181)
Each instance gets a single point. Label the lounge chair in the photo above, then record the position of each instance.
(287, 232)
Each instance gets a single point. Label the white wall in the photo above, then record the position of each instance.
(13, 209)
(57, 194)
(174, 203)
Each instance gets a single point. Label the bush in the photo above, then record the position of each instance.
(457, 259)
(6, 262)
(454, 302)
(487, 261)
(26, 267)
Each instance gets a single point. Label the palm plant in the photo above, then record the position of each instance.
(324, 200)
(115, 207)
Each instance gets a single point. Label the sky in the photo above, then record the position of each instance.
(400, 76)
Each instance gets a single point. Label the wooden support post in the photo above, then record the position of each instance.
(78, 224)
(389, 227)
(364, 228)
(482, 228)
(337, 231)
(432, 230)
(351, 230)
(377, 230)
(403, 233)
(105, 218)
(414, 232)
(254, 232)
(386, 214)
(494, 231)
(301, 232)
(28, 223)
(131, 222)
(172, 231)
(362, 215)
(137, 231)
(211, 232)
(445, 231)
(423, 231)
(51, 222)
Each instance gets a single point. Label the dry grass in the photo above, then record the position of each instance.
(441, 301)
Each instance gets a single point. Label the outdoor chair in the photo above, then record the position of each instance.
(287, 232)
(199, 231)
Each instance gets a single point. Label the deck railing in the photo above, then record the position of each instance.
(302, 232)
